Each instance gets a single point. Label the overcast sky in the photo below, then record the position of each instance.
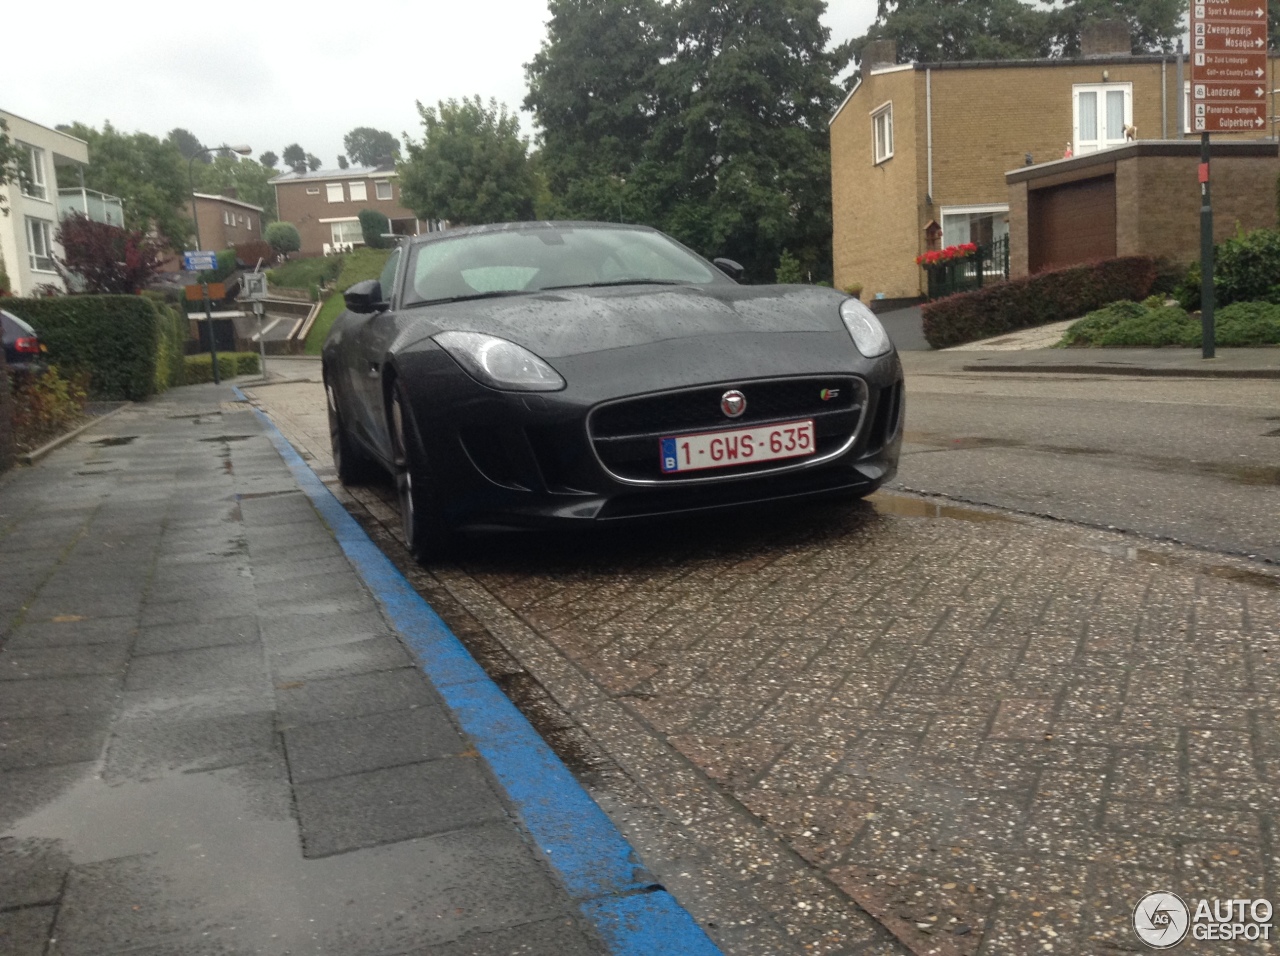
(292, 72)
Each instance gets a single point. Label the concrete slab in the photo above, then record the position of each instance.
(354, 745)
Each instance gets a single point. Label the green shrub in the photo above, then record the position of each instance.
(1246, 268)
(1246, 324)
(1036, 300)
(1154, 328)
(1090, 329)
(373, 226)
(172, 333)
(1154, 301)
(283, 237)
(114, 338)
(1188, 291)
(788, 271)
(199, 368)
(46, 405)
(226, 266)
(1169, 273)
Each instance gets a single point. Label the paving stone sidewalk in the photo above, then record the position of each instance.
(211, 740)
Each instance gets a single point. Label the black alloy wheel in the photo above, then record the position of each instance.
(353, 465)
(425, 533)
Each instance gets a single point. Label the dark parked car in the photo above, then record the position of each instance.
(23, 351)
(577, 373)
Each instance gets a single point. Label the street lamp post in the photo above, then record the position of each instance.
(195, 220)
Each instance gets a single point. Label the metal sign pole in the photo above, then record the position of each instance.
(262, 343)
(1206, 253)
(213, 345)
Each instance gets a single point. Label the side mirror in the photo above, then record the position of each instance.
(365, 297)
(730, 268)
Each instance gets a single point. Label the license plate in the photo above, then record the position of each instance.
(741, 446)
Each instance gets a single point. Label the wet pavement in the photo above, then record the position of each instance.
(905, 725)
(213, 740)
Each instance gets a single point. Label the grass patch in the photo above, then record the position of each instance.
(1147, 325)
(357, 266)
(304, 273)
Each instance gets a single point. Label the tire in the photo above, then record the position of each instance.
(426, 534)
(352, 463)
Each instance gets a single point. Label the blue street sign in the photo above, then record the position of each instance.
(199, 261)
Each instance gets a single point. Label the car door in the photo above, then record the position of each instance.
(371, 343)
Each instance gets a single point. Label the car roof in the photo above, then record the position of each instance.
(532, 226)
(9, 319)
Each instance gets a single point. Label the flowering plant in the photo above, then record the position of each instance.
(936, 257)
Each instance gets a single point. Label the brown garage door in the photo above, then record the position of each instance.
(1071, 222)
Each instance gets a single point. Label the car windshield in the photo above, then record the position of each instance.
(556, 257)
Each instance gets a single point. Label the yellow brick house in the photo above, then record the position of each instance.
(919, 151)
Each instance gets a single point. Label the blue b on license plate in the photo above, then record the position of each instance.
(742, 446)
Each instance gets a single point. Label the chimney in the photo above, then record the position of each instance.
(1105, 38)
(879, 53)
(230, 192)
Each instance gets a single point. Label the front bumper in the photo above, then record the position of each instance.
(502, 460)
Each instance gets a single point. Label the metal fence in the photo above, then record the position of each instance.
(989, 264)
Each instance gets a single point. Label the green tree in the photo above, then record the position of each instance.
(149, 175)
(592, 94)
(249, 179)
(11, 158)
(471, 167)
(342, 161)
(283, 237)
(929, 32)
(371, 147)
(788, 271)
(313, 162)
(295, 157)
(1154, 25)
(373, 226)
(186, 143)
(269, 159)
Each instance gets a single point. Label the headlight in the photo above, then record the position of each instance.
(868, 334)
(500, 364)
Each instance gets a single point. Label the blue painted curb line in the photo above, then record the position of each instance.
(595, 862)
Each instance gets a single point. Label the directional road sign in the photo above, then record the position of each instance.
(199, 261)
(1228, 66)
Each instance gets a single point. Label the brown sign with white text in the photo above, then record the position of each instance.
(1228, 66)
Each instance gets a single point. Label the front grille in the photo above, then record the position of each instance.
(625, 433)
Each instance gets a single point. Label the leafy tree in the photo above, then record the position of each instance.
(149, 175)
(928, 32)
(269, 159)
(342, 161)
(295, 157)
(283, 237)
(1154, 25)
(313, 162)
(592, 93)
(371, 147)
(250, 180)
(186, 143)
(788, 271)
(11, 158)
(373, 226)
(471, 167)
(108, 259)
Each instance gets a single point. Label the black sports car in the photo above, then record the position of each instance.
(574, 372)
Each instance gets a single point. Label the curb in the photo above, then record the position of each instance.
(598, 867)
(1133, 370)
(30, 458)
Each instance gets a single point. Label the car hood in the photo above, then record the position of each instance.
(574, 322)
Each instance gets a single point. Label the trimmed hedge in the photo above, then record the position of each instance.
(1036, 300)
(1134, 325)
(199, 368)
(125, 342)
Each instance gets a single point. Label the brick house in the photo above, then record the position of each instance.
(224, 221)
(919, 151)
(325, 205)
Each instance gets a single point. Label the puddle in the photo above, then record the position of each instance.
(265, 494)
(887, 504)
(113, 442)
(228, 438)
(1226, 572)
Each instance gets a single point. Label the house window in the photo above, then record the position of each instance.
(227, 219)
(882, 124)
(348, 230)
(382, 189)
(1101, 112)
(40, 245)
(334, 191)
(313, 190)
(358, 192)
(32, 172)
(984, 225)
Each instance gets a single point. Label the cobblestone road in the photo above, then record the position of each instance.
(891, 725)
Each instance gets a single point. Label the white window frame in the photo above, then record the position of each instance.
(362, 195)
(44, 228)
(377, 189)
(313, 190)
(357, 240)
(882, 142)
(37, 187)
(994, 209)
(329, 192)
(1081, 144)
